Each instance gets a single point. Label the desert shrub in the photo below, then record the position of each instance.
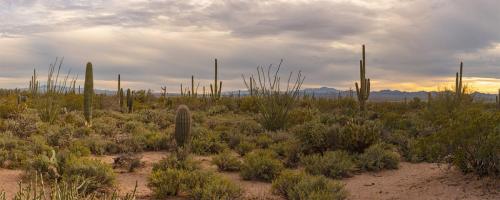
(175, 161)
(127, 161)
(8, 110)
(249, 104)
(312, 137)
(160, 118)
(217, 110)
(289, 151)
(216, 187)
(356, 136)
(248, 127)
(167, 182)
(472, 140)
(207, 142)
(294, 185)
(263, 141)
(79, 149)
(227, 161)
(333, 164)
(379, 156)
(245, 147)
(261, 165)
(100, 175)
(23, 126)
(106, 126)
(303, 115)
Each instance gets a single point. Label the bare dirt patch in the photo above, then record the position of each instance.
(421, 181)
(9, 180)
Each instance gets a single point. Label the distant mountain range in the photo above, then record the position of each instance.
(382, 95)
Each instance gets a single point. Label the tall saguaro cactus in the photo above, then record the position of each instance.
(34, 84)
(130, 101)
(363, 90)
(88, 93)
(498, 99)
(216, 88)
(459, 89)
(182, 126)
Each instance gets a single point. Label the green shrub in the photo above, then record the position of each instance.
(379, 156)
(245, 147)
(356, 136)
(101, 175)
(333, 164)
(226, 161)
(312, 137)
(167, 182)
(217, 110)
(176, 162)
(207, 142)
(261, 165)
(297, 186)
(216, 188)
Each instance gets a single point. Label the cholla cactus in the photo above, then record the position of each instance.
(363, 90)
(182, 126)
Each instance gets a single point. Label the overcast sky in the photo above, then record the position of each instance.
(411, 44)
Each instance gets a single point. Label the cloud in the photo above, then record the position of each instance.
(166, 41)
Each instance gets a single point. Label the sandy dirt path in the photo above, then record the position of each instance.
(411, 181)
(421, 181)
(9, 180)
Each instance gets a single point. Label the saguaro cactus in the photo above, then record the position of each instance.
(88, 93)
(498, 99)
(363, 90)
(182, 126)
(459, 89)
(216, 88)
(130, 101)
(121, 99)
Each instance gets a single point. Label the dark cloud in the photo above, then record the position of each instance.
(168, 39)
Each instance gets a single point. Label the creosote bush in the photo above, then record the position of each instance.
(379, 156)
(227, 161)
(261, 165)
(333, 164)
(294, 185)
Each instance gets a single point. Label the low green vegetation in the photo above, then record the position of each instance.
(299, 143)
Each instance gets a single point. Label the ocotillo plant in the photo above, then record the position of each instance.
(88, 93)
(363, 90)
(216, 88)
(130, 101)
(182, 126)
(459, 89)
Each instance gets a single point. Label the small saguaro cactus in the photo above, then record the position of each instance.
(130, 101)
(121, 96)
(459, 89)
(118, 90)
(182, 126)
(216, 88)
(88, 93)
(363, 90)
(498, 99)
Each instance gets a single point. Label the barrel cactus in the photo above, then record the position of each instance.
(182, 126)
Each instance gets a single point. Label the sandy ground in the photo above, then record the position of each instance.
(9, 181)
(421, 181)
(411, 181)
